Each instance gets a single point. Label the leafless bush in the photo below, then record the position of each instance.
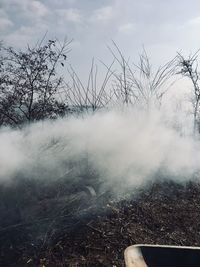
(138, 83)
(92, 96)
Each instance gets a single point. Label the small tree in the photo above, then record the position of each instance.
(29, 83)
(189, 68)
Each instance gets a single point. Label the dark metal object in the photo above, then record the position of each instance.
(162, 256)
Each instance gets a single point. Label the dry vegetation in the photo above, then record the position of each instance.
(94, 231)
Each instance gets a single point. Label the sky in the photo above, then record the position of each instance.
(163, 27)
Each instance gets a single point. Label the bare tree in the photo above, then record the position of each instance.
(30, 84)
(189, 68)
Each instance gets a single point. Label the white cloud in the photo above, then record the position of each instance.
(24, 35)
(70, 14)
(127, 28)
(26, 8)
(38, 8)
(195, 21)
(5, 24)
(103, 14)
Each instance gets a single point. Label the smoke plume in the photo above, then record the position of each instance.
(122, 148)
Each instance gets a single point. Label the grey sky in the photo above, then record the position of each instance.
(163, 27)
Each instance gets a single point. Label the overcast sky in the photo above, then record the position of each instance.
(162, 26)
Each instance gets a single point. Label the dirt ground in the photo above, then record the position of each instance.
(97, 232)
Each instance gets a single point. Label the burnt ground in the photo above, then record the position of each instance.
(94, 231)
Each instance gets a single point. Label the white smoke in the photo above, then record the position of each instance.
(124, 147)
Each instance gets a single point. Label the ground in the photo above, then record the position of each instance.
(96, 232)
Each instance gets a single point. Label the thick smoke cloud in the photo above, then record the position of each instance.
(122, 147)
